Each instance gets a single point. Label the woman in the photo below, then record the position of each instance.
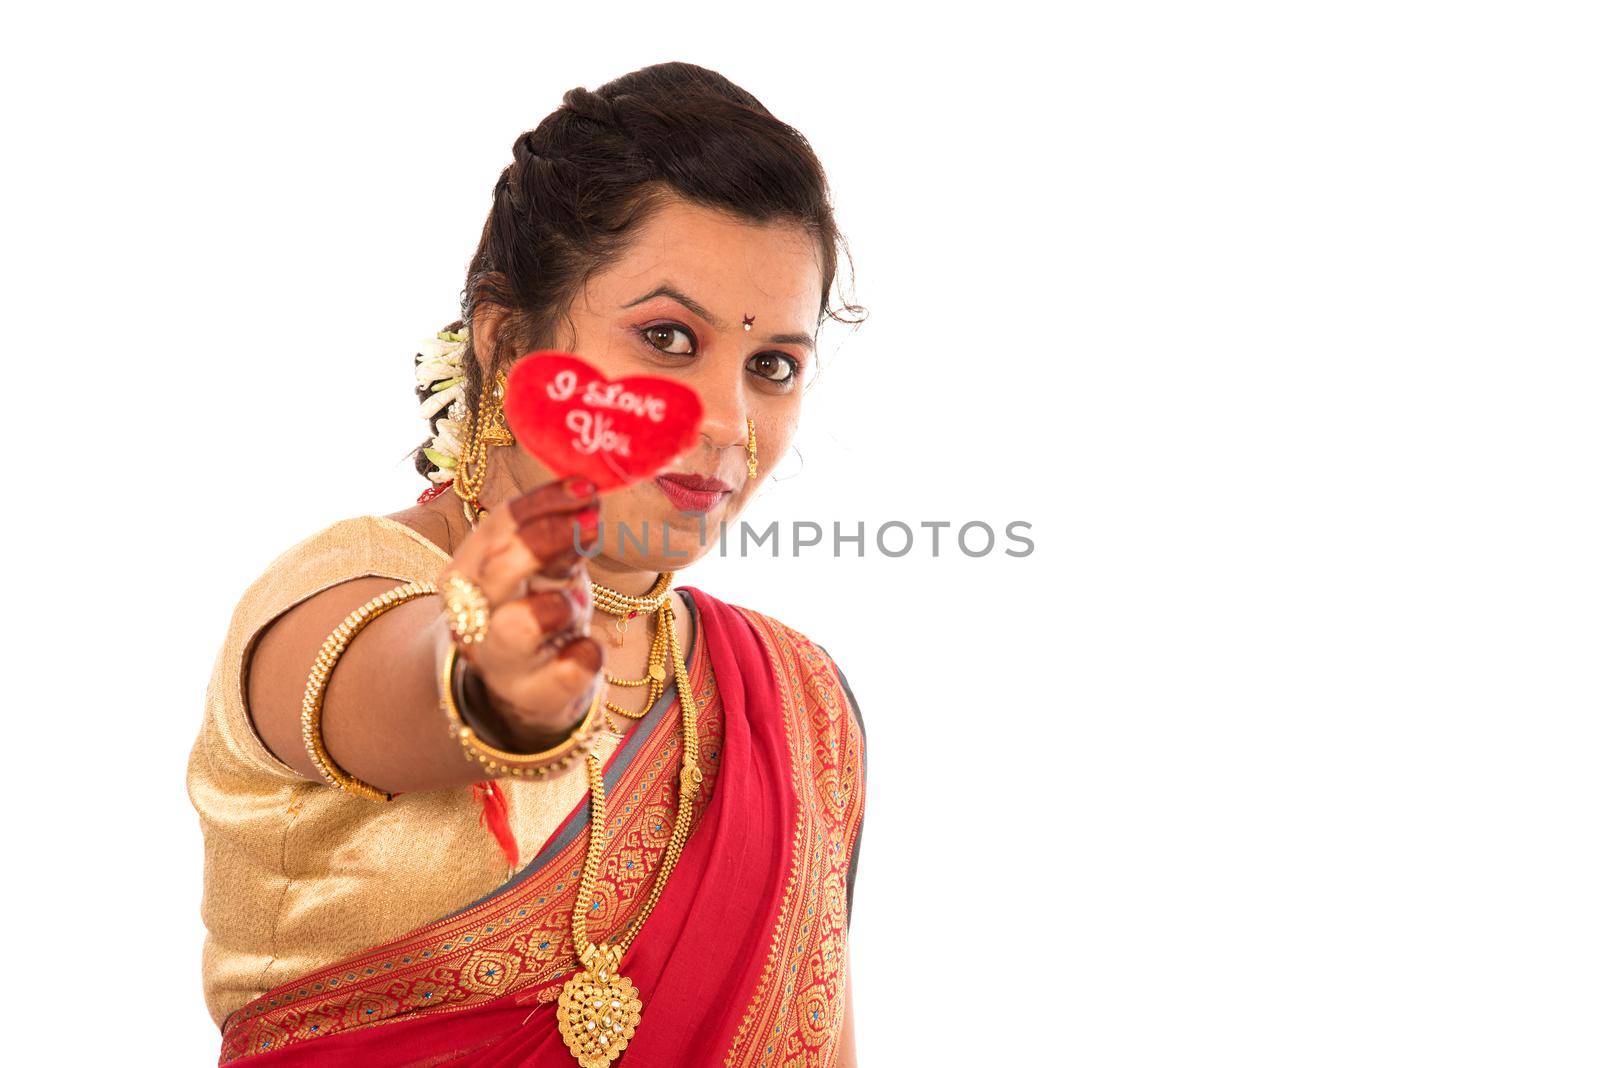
(479, 831)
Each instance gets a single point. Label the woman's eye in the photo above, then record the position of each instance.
(773, 367)
(674, 340)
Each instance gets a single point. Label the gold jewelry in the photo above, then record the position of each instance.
(467, 609)
(750, 446)
(625, 606)
(488, 429)
(599, 1008)
(655, 677)
(498, 762)
(615, 603)
(322, 670)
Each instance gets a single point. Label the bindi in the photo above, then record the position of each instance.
(749, 321)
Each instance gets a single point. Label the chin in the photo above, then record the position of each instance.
(660, 537)
(685, 551)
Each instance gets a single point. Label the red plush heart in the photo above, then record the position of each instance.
(576, 421)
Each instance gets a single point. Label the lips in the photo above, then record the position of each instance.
(693, 493)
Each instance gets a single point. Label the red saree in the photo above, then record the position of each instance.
(742, 961)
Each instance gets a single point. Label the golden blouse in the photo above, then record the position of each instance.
(298, 874)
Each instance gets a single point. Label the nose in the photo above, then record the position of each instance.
(724, 411)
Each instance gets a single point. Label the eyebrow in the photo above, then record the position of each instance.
(666, 289)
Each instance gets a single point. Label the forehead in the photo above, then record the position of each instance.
(732, 265)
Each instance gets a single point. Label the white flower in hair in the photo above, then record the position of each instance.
(440, 372)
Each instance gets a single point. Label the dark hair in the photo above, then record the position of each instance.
(599, 166)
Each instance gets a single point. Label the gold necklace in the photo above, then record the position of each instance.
(625, 606)
(599, 1008)
(655, 677)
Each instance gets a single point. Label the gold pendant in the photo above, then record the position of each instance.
(599, 1009)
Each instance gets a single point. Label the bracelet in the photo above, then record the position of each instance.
(498, 762)
(317, 683)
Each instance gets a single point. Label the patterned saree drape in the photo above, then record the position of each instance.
(742, 961)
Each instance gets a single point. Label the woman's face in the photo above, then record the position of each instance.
(675, 305)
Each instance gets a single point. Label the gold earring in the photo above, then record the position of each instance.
(750, 446)
(496, 432)
(489, 428)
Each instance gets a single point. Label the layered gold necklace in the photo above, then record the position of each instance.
(599, 1008)
(656, 600)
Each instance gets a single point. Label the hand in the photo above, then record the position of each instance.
(537, 662)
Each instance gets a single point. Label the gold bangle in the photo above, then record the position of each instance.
(316, 684)
(499, 762)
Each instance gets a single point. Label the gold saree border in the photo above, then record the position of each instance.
(800, 1024)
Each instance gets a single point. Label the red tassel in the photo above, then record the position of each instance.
(433, 491)
(496, 818)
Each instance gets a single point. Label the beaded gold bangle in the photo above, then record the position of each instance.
(322, 670)
(499, 762)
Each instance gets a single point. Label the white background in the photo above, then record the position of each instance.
(1277, 321)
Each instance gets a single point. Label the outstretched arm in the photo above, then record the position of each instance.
(380, 711)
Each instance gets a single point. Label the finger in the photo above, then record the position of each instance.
(576, 587)
(550, 547)
(563, 685)
(578, 590)
(499, 522)
(558, 542)
(520, 629)
(557, 496)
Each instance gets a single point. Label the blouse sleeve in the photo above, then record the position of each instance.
(351, 548)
